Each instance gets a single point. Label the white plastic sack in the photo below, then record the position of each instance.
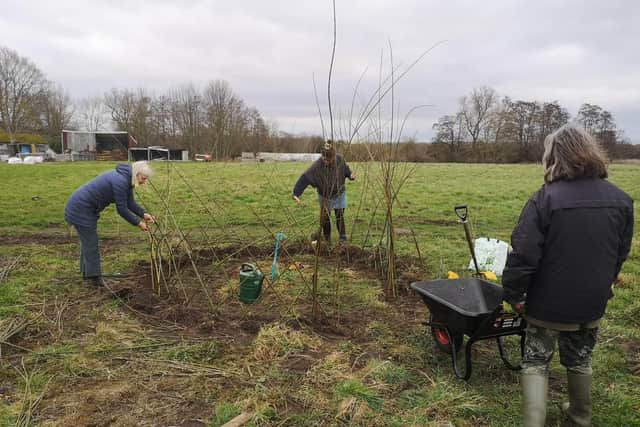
(32, 160)
(491, 255)
(15, 161)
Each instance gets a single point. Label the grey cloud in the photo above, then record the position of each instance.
(570, 51)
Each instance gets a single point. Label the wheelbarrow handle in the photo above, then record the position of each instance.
(461, 212)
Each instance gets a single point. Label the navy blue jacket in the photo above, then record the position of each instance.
(568, 247)
(85, 204)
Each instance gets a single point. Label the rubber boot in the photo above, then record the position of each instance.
(578, 409)
(534, 399)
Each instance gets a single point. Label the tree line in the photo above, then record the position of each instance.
(212, 120)
(487, 128)
(215, 120)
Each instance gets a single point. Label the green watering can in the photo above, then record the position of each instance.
(250, 282)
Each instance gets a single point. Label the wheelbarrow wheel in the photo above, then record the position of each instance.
(443, 340)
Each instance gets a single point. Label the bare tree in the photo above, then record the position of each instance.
(56, 114)
(600, 123)
(258, 133)
(141, 126)
(131, 112)
(449, 130)
(121, 105)
(588, 116)
(22, 89)
(521, 122)
(551, 116)
(220, 104)
(162, 123)
(475, 110)
(186, 112)
(92, 114)
(496, 121)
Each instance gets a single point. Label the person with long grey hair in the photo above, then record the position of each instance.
(85, 204)
(569, 245)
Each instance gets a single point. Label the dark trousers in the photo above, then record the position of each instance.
(325, 223)
(89, 251)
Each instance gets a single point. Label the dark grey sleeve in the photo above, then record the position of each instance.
(625, 243)
(302, 183)
(527, 241)
(347, 171)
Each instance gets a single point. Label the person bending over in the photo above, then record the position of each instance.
(85, 204)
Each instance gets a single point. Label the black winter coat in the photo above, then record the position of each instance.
(568, 248)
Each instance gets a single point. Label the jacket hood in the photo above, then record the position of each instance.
(124, 170)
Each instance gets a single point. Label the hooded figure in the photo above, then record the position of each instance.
(87, 202)
(571, 240)
(327, 175)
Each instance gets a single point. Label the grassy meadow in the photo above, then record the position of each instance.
(75, 355)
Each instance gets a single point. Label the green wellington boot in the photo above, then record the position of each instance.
(578, 409)
(534, 399)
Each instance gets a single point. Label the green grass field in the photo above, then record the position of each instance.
(79, 356)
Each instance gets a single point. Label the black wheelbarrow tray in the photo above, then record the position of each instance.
(471, 307)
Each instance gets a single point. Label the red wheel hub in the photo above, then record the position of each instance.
(442, 336)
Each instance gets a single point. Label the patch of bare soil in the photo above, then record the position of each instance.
(141, 391)
(190, 311)
(302, 362)
(52, 239)
(39, 239)
(428, 221)
(557, 381)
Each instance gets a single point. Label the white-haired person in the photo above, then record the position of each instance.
(570, 242)
(85, 204)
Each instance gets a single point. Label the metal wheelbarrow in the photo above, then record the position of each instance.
(471, 307)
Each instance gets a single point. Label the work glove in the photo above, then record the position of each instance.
(518, 307)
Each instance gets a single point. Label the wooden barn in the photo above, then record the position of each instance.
(83, 145)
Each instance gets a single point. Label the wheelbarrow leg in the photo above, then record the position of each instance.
(503, 356)
(467, 360)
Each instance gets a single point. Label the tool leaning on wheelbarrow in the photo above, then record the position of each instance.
(469, 306)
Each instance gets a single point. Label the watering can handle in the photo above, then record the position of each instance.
(247, 267)
(461, 212)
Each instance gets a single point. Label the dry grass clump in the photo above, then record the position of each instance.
(352, 410)
(277, 341)
(321, 378)
(357, 401)
(626, 280)
(9, 328)
(106, 332)
(334, 368)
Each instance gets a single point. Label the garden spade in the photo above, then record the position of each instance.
(461, 212)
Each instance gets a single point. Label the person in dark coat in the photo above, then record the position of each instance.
(569, 245)
(85, 204)
(327, 175)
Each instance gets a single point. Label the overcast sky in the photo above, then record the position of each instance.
(268, 51)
